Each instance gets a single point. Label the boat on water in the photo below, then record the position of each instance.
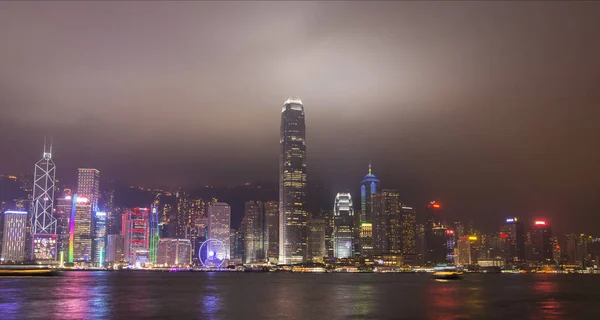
(27, 271)
(447, 273)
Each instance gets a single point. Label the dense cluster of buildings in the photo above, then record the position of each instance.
(376, 228)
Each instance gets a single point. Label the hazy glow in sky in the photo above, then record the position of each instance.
(470, 103)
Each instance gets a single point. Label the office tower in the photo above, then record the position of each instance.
(464, 251)
(14, 236)
(63, 205)
(254, 232)
(154, 233)
(387, 232)
(86, 203)
(512, 240)
(369, 208)
(136, 235)
(113, 218)
(450, 245)
(292, 184)
(436, 246)
(115, 245)
(174, 252)
(88, 185)
(541, 246)
(183, 216)
(80, 229)
(272, 231)
(43, 224)
(327, 215)
(99, 239)
(219, 224)
(316, 240)
(408, 231)
(343, 226)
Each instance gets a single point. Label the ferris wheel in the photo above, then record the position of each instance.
(212, 253)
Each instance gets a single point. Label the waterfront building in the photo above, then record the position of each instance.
(174, 252)
(292, 184)
(343, 226)
(219, 224)
(115, 245)
(463, 257)
(14, 236)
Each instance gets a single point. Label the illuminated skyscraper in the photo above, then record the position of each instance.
(14, 235)
(370, 203)
(436, 245)
(219, 225)
(43, 224)
(86, 203)
(343, 226)
(541, 246)
(115, 245)
(292, 184)
(272, 231)
(316, 240)
(136, 235)
(64, 204)
(408, 231)
(512, 240)
(99, 242)
(387, 234)
(80, 229)
(254, 233)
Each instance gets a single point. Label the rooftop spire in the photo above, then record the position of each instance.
(369, 167)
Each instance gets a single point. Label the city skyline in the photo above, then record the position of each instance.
(508, 114)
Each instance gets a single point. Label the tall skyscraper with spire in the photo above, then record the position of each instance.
(370, 203)
(292, 184)
(43, 223)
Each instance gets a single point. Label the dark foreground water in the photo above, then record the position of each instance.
(249, 296)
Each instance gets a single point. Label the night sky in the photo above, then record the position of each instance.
(491, 108)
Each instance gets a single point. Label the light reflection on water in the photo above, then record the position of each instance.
(120, 295)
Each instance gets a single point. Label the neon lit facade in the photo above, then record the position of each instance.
(154, 233)
(343, 226)
(99, 245)
(212, 253)
(292, 184)
(43, 222)
(14, 235)
(136, 234)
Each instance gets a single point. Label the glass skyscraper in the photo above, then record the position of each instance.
(343, 226)
(292, 184)
(370, 203)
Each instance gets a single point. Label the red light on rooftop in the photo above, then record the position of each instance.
(449, 231)
(540, 223)
(503, 235)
